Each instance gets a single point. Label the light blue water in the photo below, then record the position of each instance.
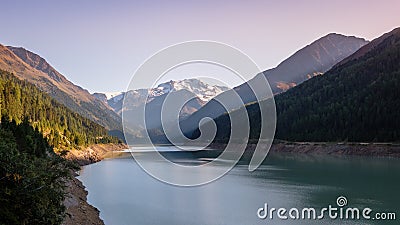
(125, 194)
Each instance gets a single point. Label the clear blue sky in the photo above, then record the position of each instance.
(99, 44)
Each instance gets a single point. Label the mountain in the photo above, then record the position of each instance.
(312, 60)
(64, 129)
(135, 100)
(31, 67)
(202, 92)
(357, 100)
(113, 100)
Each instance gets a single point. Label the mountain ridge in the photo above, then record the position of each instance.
(202, 91)
(33, 68)
(284, 75)
(326, 52)
(363, 50)
(357, 100)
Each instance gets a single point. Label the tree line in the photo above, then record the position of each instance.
(63, 128)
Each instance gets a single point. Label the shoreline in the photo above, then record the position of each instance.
(93, 153)
(78, 210)
(340, 149)
(322, 148)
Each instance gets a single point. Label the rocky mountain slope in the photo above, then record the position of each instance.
(31, 67)
(357, 100)
(312, 60)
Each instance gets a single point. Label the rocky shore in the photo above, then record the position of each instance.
(325, 148)
(356, 149)
(78, 210)
(93, 153)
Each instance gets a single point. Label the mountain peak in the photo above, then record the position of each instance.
(201, 90)
(333, 34)
(37, 62)
(312, 60)
(358, 101)
(317, 57)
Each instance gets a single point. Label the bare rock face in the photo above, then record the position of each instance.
(93, 153)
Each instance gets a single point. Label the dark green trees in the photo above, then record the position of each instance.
(358, 100)
(62, 127)
(32, 177)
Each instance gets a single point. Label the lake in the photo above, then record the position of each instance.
(125, 194)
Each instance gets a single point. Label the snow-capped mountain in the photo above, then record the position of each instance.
(202, 91)
(110, 95)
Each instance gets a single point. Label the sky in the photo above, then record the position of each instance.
(100, 44)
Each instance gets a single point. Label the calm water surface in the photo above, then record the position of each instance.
(125, 194)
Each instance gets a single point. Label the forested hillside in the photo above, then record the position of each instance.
(62, 127)
(357, 100)
(36, 70)
(311, 60)
(32, 177)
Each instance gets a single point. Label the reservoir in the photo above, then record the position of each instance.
(125, 194)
